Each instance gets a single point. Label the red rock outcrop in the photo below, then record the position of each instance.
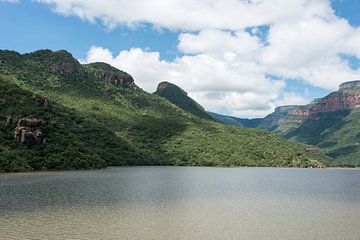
(346, 98)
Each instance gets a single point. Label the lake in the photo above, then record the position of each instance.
(165, 203)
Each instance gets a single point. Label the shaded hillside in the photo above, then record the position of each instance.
(242, 122)
(59, 114)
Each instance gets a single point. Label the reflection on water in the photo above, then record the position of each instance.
(181, 203)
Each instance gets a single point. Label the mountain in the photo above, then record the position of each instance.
(331, 123)
(242, 122)
(181, 99)
(59, 114)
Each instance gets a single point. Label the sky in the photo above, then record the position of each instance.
(235, 57)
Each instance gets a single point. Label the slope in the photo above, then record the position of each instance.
(100, 112)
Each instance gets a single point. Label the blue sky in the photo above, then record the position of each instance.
(27, 26)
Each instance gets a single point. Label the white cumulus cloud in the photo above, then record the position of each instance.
(227, 56)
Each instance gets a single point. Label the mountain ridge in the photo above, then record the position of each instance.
(96, 116)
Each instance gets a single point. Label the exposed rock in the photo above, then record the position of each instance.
(27, 131)
(42, 101)
(166, 85)
(61, 68)
(2, 99)
(126, 81)
(351, 84)
(106, 73)
(9, 120)
(346, 98)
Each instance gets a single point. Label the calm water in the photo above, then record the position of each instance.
(165, 203)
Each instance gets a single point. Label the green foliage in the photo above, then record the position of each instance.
(337, 133)
(93, 123)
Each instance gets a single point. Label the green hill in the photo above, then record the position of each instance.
(337, 133)
(181, 99)
(59, 114)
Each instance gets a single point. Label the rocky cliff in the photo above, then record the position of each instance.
(105, 72)
(347, 98)
(330, 122)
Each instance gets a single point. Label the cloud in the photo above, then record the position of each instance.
(214, 82)
(292, 98)
(310, 49)
(191, 14)
(227, 55)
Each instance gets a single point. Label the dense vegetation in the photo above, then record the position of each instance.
(337, 133)
(94, 120)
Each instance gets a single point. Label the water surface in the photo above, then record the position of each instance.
(165, 203)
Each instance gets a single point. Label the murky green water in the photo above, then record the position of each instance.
(165, 203)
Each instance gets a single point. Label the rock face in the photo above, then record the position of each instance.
(61, 68)
(42, 101)
(351, 84)
(106, 73)
(117, 79)
(346, 98)
(28, 131)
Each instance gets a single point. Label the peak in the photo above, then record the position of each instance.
(61, 55)
(350, 84)
(108, 73)
(9, 53)
(101, 66)
(9, 56)
(48, 52)
(163, 86)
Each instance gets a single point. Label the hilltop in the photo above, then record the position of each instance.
(180, 98)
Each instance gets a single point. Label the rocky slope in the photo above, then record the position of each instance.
(59, 114)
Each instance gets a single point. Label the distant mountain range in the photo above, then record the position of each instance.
(59, 114)
(331, 123)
